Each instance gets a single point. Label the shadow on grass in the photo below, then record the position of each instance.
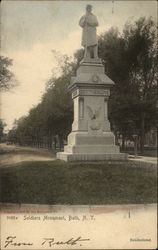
(56, 182)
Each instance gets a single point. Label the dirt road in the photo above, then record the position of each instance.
(10, 154)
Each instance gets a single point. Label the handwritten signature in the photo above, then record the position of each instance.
(11, 241)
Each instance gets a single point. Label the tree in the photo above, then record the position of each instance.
(7, 78)
(113, 55)
(2, 126)
(58, 107)
(53, 115)
(130, 61)
(141, 48)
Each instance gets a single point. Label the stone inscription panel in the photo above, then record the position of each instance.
(94, 92)
(91, 92)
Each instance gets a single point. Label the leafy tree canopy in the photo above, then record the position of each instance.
(7, 78)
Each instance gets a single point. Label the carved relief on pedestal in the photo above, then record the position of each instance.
(95, 78)
(94, 124)
(93, 114)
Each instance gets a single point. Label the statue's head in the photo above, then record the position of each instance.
(89, 8)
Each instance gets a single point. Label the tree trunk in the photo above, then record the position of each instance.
(142, 132)
(116, 138)
(123, 141)
(60, 142)
(55, 143)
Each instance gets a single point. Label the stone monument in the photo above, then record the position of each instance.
(91, 138)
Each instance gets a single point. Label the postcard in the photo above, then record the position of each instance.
(78, 134)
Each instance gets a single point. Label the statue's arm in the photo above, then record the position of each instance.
(96, 22)
(93, 22)
(82, 21)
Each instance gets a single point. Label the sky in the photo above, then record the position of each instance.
(30, 30)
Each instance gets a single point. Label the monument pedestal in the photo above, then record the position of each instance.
(91, 138)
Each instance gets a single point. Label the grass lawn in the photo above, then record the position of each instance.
(55, 182)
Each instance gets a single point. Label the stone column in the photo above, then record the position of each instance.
(91, 138)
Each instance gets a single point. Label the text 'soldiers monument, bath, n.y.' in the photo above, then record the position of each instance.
(91, 138)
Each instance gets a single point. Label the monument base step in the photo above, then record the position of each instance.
(91, 149)
(91, 157)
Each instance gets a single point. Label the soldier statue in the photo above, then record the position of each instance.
(89, 23)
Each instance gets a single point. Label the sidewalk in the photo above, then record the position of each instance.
(4, 148)
(144, 160)
(11, 154)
